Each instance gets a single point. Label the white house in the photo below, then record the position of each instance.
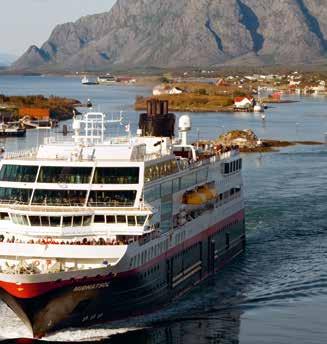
(243, 102)
(165, 90)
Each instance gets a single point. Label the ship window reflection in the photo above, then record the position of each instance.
(99, 219)
(112, 198)
(67, 221)
(45, 221)
(141, 220)
(78, 221)
(131, 221)
(18, 173)
(35, 220)
(59, 197)
(55, 221)
(65, 175)
(121, 219)
(4, 216)
(116, 175)
(11, 195)
(111, 219)
(87, 220)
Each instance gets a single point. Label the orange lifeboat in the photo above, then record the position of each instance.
(194, 198)
(209, 191)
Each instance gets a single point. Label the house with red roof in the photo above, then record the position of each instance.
(243, 102)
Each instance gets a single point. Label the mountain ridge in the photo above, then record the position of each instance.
(187, 33)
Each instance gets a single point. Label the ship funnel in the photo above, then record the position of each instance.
(157, 121)
(184, 126)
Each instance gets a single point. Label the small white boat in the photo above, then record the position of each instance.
(106, 79)
(87, 81)
(258, 108)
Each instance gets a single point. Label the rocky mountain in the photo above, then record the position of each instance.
(170, 33)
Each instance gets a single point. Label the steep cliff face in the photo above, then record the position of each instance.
(143, 33)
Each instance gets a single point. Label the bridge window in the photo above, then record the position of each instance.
(116, 175)
(131, 221)
(141, 220)
(18, 173)
(11, 195)
(4, 216)
(78, 221)
(35, 220)
(65, 175)
(99, 219)
(20, 220)
(121, 219)
(67, 221)
(59, 197)
(55, 221)
(45, 221)
(112, 198)
(87, 220)
(111, 219)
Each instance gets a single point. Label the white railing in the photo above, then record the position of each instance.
(31, 153)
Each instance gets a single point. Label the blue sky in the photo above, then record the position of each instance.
(27, 22)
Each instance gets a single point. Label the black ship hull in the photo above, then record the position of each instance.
(13, 133)
(130, 293)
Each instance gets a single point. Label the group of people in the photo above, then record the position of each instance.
(51, 241)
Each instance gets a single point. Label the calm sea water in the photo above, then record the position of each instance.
(277, 291)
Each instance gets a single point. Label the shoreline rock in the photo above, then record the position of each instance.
(248, 142)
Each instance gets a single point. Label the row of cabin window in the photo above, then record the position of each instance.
(52, 221)
(121, 219)
(229, 193)
(69, 197)
(232, 167)
(176, 185)
(150, 272)
(149, 254)
(70, 175)
(73, 221)
(160, 170)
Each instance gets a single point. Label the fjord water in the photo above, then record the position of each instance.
(277, 291)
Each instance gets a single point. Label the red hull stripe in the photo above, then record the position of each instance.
(31, 290)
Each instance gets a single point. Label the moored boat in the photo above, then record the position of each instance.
(7, 130)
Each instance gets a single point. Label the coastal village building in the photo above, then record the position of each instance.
(35, 113)
(222, 83)
(243, 102)
(166, 90)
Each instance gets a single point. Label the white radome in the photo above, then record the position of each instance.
(185, 123)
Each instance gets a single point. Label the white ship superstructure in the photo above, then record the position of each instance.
(96, 213)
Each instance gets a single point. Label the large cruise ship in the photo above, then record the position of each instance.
(100, 228)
